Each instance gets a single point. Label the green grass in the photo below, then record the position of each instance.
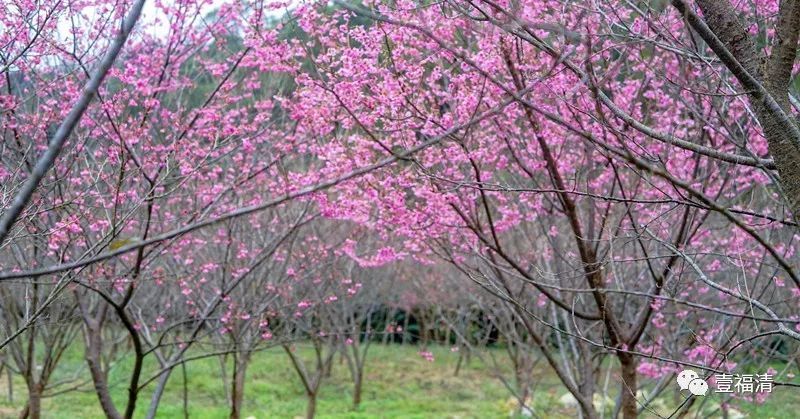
(399, 384)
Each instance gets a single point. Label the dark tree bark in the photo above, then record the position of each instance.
(765, 79)
(237, 384)
(34, 407)
(93, 355)
(311, 406)
(630, 406)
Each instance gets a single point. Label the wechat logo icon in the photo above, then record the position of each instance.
(689, 380)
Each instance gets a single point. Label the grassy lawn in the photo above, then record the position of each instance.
(399, 384)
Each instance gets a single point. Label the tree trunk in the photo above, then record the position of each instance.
(327, 369)
(223, 372)
(237, 386)
(357, 386)
(33, 409)
(459, 362)
(185, 392)
(628, 386)
(99, 377)
(155, 399)
(311, 407)
(750, 67)
(523, 385)
(10, 386)
(406, 320)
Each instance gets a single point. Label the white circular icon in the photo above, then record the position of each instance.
(698, 387)
(688, 379)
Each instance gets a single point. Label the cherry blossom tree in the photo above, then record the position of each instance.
(620, 177)
(627, 210)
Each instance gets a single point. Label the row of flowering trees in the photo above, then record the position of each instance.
(616, 182)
